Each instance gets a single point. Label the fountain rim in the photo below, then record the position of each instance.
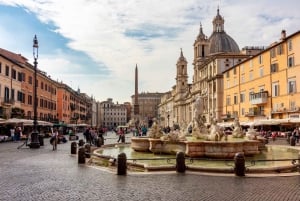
(255, 172)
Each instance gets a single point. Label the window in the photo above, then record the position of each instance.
(242, 97)
(227, 74)
(250, 94)
(6, 94)
(20, 76)
(251, 63)
(242, 69)
(30, 80)
(260, 59)
(243, 111)
(275, 89)
(291, 61)
(13, 74)
(21, 97)
(41, 103)
(274, 67)
(242, 78)
(7, 70)
(228, 83)
(227, 100)
(261, 71)
(235, 81)
(234, 71)
(290, 45)
(272, 52)
(291, 86)
(279, 49)
(42, 85)
(29, 100)
(235, 99)
(251, 75)
(0, 67)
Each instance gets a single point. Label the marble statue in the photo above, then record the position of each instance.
(237, 131)
(155, 131)
(251, 133)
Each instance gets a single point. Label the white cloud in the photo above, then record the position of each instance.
(99, 28)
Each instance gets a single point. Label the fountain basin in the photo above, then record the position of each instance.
(213, 149)
(267, 161)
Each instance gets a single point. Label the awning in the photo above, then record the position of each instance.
(26, 122)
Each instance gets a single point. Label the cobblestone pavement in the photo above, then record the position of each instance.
(42, 174)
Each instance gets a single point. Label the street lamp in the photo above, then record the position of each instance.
(34, 135)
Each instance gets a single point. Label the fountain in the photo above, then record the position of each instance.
(203, 143)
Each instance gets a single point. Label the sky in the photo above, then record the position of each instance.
(94, 45)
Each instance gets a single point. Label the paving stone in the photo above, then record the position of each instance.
(46, 175)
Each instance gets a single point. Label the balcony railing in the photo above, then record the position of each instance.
(259, 98)
(255, 113)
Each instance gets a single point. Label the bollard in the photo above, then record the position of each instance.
(180, 162)
(88, 151)
(122, 164)
(99, 142)
(81, 142)
(81, 155)
(41, 140)
(239, 164)
(73, 148)
(293, 141)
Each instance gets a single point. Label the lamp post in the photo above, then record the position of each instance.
(34, 135)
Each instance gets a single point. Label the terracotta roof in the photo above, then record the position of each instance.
(15, 58)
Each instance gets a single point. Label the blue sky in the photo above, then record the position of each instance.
(95, 45)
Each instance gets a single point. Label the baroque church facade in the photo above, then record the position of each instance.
(212, 56)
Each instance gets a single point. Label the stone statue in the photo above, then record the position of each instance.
(237, 131)
(199, 129)
(155, 131)
(174, 136)
(216, 132)
(251, 133)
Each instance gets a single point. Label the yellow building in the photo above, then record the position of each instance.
(267, 85)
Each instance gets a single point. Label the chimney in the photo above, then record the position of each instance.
(283, 34)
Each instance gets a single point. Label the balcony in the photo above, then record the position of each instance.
(259, 98)
(6, 102)
(254, 113)
(286, 110)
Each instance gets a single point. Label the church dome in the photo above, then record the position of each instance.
(219, 41)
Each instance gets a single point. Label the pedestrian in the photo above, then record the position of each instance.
(12, 134)
(17, 133)
(54, 139)
(88, 136)
(144, 130)
(121, 134)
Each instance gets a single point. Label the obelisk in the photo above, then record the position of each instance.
(136, 109)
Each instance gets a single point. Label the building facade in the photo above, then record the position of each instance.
(56, 102)
(212, 56)
(112, 115)
(148, 106)
(265, 86)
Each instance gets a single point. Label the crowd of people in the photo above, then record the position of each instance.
(92, 136)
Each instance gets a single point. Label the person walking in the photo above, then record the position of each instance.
(121, 134)
(54, 139)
